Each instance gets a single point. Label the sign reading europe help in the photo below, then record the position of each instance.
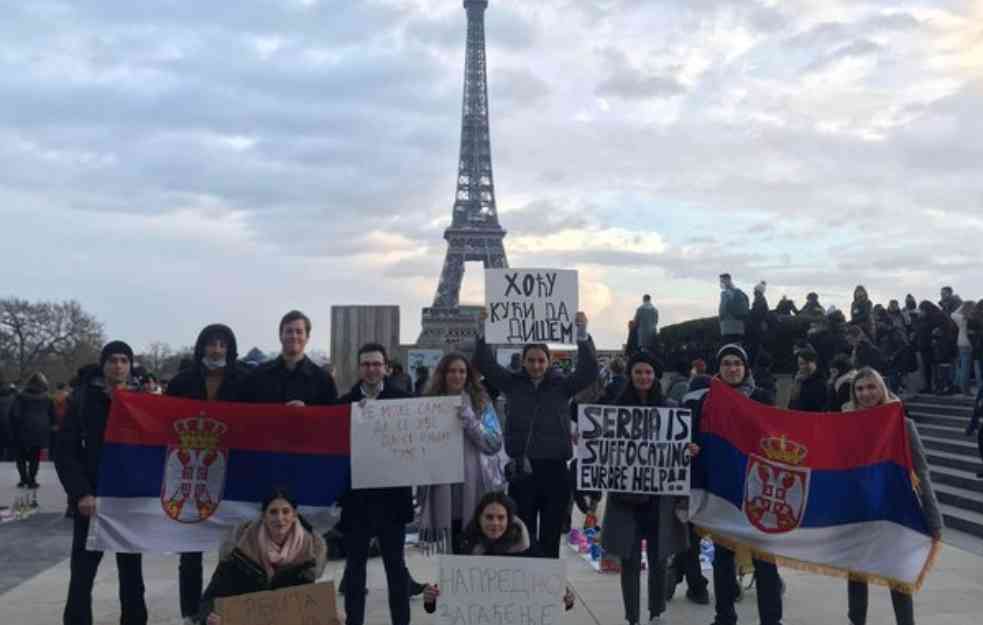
(407, 442)
(307, 604)
(485, 590)
(531, 306)
(634, 449)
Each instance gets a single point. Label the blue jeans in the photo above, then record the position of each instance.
(965, 365)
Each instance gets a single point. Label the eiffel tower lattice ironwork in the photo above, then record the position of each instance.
(474, 233)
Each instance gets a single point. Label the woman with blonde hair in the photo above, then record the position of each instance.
(868, 390)
(445, 507)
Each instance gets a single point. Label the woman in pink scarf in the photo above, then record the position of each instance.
(278, 550)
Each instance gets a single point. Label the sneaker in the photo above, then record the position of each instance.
(656, 620)
(189, 620)
(33, 485)
(970, 430)
(699, 598)
(21, 484)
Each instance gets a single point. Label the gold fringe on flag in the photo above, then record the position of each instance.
(825, 569)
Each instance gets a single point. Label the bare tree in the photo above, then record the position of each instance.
(156, 356)
(32, 334)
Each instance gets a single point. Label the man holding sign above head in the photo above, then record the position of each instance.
(537, 431)
(380, 512)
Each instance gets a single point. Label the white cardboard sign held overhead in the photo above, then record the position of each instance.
(531, 306)
(481, 590)
(407, 442)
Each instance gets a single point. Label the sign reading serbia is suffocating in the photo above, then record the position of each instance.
(634, 449)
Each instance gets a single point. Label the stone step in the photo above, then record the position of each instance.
(961, 447)
(944, 433)
(941, 420)
(962, 520)
(939, 408)
(964, 480)
(959, 497)
(954, 461)
(943, 400)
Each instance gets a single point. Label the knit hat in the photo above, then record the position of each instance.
(760, 287)
(732, 349)
(115, 347)
(647, 358)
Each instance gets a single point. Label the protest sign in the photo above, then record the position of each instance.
(308, 604)
(634, 449)
(480, 590)
(416, 358)
(407, 442)
(531, 306)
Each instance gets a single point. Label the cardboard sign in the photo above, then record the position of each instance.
(634, 449)
(308, 604)
(481, 590)
(407, 442)
(531, 306)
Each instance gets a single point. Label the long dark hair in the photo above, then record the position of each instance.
(473, 536)
(438, 383)
(284, 494)
(630, 397)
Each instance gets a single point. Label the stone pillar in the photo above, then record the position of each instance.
(353, 326)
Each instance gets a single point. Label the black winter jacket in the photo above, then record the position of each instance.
(79, 442)
(31, 417)
(370, 507)
(7, 397)
(544, 407)
(273, 383)
(811, 395)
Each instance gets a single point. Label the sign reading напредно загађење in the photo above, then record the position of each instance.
(531, 306)
(407, 442)
(634, 449)
(496, 590)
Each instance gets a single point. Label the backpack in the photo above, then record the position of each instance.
(740, 305)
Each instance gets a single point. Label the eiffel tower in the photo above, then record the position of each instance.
(474, 233)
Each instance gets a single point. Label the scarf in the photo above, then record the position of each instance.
(443, 503)
(259, 545)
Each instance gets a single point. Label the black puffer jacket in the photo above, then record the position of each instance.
(79, 443)
(544, 407)
(809, 394)
(273, 383)
(31, 415)
(190, 383)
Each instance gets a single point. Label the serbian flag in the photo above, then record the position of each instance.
(178, 474)
(825, 492)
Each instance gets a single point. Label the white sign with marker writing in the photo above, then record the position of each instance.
(407, 442)
(531, 306)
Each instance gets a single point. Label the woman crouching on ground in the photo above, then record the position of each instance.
(275, 551)
(495, 530)
(868, 390)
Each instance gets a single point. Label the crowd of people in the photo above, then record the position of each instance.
(840, 368)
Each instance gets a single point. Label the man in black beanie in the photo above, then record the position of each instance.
(735, 370)
(77, 462)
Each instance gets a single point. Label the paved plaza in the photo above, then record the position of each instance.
(34, 580)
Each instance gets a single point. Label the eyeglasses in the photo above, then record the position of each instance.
(374, 365)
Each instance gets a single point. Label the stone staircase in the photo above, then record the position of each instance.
(953, 458)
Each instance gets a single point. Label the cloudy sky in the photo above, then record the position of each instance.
(169, 164)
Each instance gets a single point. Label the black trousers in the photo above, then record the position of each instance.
(927, 364)
(688, 562)
(392, 540)
(189, 583)
(85, 565)
(542, 500)
(28, 460)
(725, 587)
(904, 607)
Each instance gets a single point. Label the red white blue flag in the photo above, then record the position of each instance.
(828, 492)
(178, 474)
